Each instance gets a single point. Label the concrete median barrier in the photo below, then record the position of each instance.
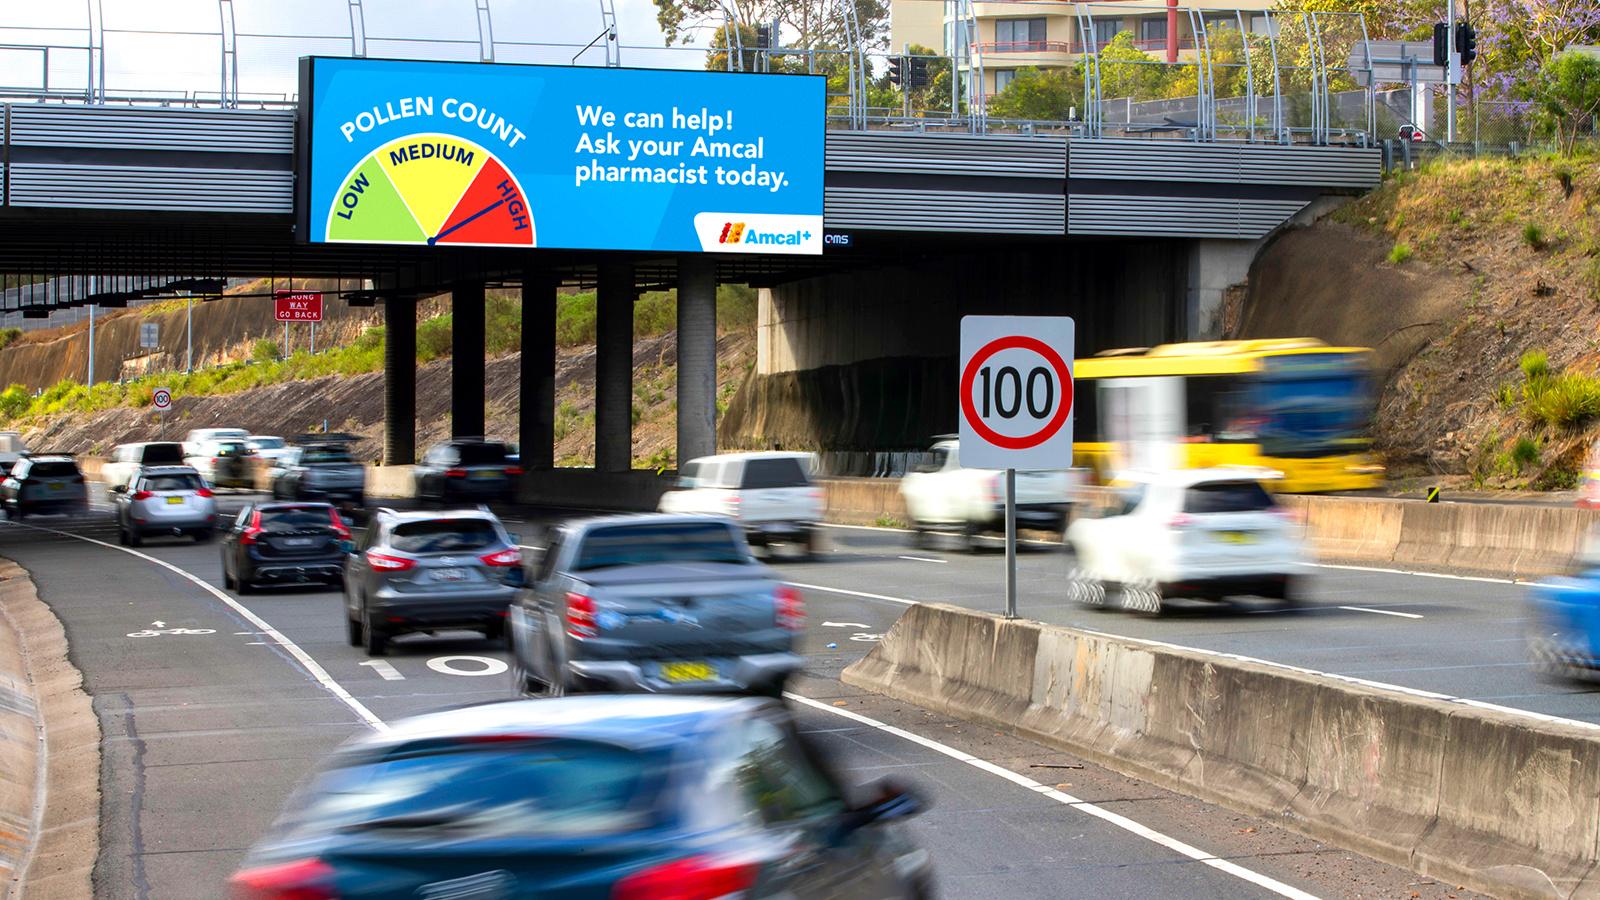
(1505, 804)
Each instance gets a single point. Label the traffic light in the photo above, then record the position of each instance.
(1441, 44)
(897, 74)
(763, 37)
(1466, 43)
(918, 73)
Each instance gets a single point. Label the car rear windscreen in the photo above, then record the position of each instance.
(299, 518)
(233, 449)
(1226, 497)
(482, 454)
(162, 455)
(52, 470)
(320, 454)
(774, 473)
(172, 483)
(443, 535)
(665, 542)
(510, 788)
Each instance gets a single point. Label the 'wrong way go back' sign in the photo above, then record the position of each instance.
(1016, 392)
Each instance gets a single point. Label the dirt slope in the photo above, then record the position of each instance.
(1453, 274)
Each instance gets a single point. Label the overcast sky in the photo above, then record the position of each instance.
(174, 45)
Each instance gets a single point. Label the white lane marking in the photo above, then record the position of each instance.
(445, 665)
(941, 562)
(1430, 574)
(382, 667)
(1381, 612)
(818, 587)
(1083, 806)
(312, 667)
(909, 531)
(845, 625)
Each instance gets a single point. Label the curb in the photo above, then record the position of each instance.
(56, 805)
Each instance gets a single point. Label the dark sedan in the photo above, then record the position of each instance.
(284, 543)
(632, 798)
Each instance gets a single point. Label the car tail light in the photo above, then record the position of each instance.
(509, 557)
(338, 525)
(205, 492)
(731, 503)
(791, 608)
(580, 616)
(996, 490)
(1291, 516)
(1180, 521)
(137, 495)
(514, 470)
(457, 473)
(250, 535)
(77, 479)
(307, 879)
(696, 878)
(389, 563)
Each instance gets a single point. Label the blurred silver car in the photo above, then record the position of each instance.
(164, 500)
(430, 572)
(654, 603)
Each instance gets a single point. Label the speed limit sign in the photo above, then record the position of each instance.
(161, 399)
(1016, 392)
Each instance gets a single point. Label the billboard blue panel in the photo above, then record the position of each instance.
(453, 154)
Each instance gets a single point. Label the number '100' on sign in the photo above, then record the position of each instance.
(1016, 392)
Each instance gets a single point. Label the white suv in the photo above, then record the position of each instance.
(770, 494)
(1205, 534)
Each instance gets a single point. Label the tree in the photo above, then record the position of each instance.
(1568, 94)
(1127, 71)
(1046, 96)
(807, 24)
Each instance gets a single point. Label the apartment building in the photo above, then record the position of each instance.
(1046, 35)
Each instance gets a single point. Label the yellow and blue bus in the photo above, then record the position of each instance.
(1296, 405)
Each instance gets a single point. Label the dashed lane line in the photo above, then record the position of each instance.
(312, 667)
(1083, 806)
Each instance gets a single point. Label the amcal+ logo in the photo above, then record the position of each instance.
(731, 232)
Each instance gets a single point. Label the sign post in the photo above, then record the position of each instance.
(1016, 405)
(161, 399)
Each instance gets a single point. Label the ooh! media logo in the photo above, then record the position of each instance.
(731, 233)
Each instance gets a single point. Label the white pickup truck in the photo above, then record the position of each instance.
(770, 494)
(943, 496)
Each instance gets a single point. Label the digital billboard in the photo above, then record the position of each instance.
(475, 154)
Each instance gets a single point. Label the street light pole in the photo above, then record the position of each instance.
(189, 367)
(1452, 74)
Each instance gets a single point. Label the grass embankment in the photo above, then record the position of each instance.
(1508, 394)
(654, 314)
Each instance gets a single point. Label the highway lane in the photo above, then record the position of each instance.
(209, 722)
(1452, 635)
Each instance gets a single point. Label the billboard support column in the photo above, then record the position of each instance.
(467, 359)
(399, 381)
(613, 375)
(537, 421)
(697, 356)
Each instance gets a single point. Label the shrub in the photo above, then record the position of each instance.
(1564, 401)
(264, 350)
(1533, 236)
(1524, 454)
(1399, 254)
(1535, 364)
(575, 319)
(434, 338)
(8, 335)
(736, 307)
(1505, 395)
(14, 401)
(655, 313)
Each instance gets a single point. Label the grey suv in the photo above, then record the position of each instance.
(430, 572)
(654, 603)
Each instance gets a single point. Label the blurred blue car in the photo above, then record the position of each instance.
(623, 797)
(1564, 634)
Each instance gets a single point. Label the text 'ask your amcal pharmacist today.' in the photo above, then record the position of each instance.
(583, 158)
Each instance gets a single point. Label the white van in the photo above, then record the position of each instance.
(770, 494)
(193, 440)
(11, 449)
(128, 459)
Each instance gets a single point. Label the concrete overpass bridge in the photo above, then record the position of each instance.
(1135, 236)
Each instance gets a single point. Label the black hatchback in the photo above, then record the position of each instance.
(467, 470)
(584, 798)
(284, 543)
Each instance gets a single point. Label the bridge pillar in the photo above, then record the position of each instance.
(467, 359)
(536, 426)
(399, 381)
(697, 356)
(613, 368)
(1217, 267)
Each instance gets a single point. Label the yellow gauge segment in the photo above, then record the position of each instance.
(431, 172)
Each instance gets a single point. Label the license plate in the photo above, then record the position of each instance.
(1236, 537)
(484, 476)
(449, 574)
(57, 487)
(688, 672)
(298, 542)
(173, 501)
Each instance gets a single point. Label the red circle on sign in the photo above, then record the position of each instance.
(1063, 375)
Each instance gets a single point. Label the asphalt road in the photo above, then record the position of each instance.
(213, 707)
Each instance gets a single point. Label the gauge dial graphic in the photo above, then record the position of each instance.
(431, 189)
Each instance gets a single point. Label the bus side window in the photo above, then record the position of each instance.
(1206, 401)
(1086, 411)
